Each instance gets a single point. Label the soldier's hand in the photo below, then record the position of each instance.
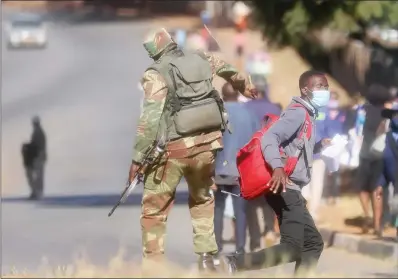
(243, 84)
(250, 91)
(133, 171)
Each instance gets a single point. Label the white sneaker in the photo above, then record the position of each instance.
(216, 259)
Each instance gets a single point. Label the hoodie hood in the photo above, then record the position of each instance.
(306, 104)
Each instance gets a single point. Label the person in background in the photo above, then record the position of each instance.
(354, 116)
(240, 43)
(34, 157)
(371, 165)
(390, 158)
(195, 41)
(180, 37)
(353, 127)
(260, 107)
(244, 124)
(334, 123)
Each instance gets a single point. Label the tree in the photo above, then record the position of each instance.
(288, 22)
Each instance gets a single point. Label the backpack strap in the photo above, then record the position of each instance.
(306, 128)
(164, 70)
(304, 135)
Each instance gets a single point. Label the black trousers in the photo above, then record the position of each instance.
(300, 242)
(35, 177)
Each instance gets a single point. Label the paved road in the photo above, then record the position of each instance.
(84, 86)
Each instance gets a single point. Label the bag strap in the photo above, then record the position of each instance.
(164, 121)
(305, 131)
(304, 134)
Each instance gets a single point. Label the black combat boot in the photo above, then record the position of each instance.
(206, 263)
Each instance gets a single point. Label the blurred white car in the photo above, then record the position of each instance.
(26, 31)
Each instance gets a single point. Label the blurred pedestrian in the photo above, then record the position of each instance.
(244, 124)
(259, 65)
(351, 112)
(300, 241)
(34, 156)
(260, 107)
(240, 45)
(371, 164)
(181, 37)
(334, 125)
(353, 127)
(190, 142)
(390, 166)
(195, 41)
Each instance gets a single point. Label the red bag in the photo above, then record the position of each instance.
(255, 173)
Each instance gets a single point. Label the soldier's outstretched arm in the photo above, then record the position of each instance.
(229, 73)
(155, 91)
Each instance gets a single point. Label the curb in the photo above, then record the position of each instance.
(356, 244)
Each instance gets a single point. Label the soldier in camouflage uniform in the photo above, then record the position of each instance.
(189, 156)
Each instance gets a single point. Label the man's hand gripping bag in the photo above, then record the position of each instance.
(254, 171)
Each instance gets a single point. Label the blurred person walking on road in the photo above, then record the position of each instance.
(260, 107)
(182, 107)
(300, 241)
(371, 164)
(390, 166)
(34, 157)
(244, 124)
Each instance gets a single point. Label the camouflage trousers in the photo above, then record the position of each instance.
(158, 198)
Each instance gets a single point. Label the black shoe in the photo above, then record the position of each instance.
(33, 197)
(206, 263)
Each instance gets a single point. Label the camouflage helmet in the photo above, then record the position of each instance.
(157, 41)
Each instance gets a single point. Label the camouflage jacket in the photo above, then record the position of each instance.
(155, 91)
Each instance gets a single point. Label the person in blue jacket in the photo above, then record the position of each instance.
(244, 124)
(390, 158)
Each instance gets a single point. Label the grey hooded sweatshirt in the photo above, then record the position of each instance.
(283, 133)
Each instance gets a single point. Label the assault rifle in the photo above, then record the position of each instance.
(152, 154)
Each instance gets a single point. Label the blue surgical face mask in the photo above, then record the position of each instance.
(320, 98)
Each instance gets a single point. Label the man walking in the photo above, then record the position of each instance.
(34, 157)
(300, 242)
(181, 105)
(244, 124)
